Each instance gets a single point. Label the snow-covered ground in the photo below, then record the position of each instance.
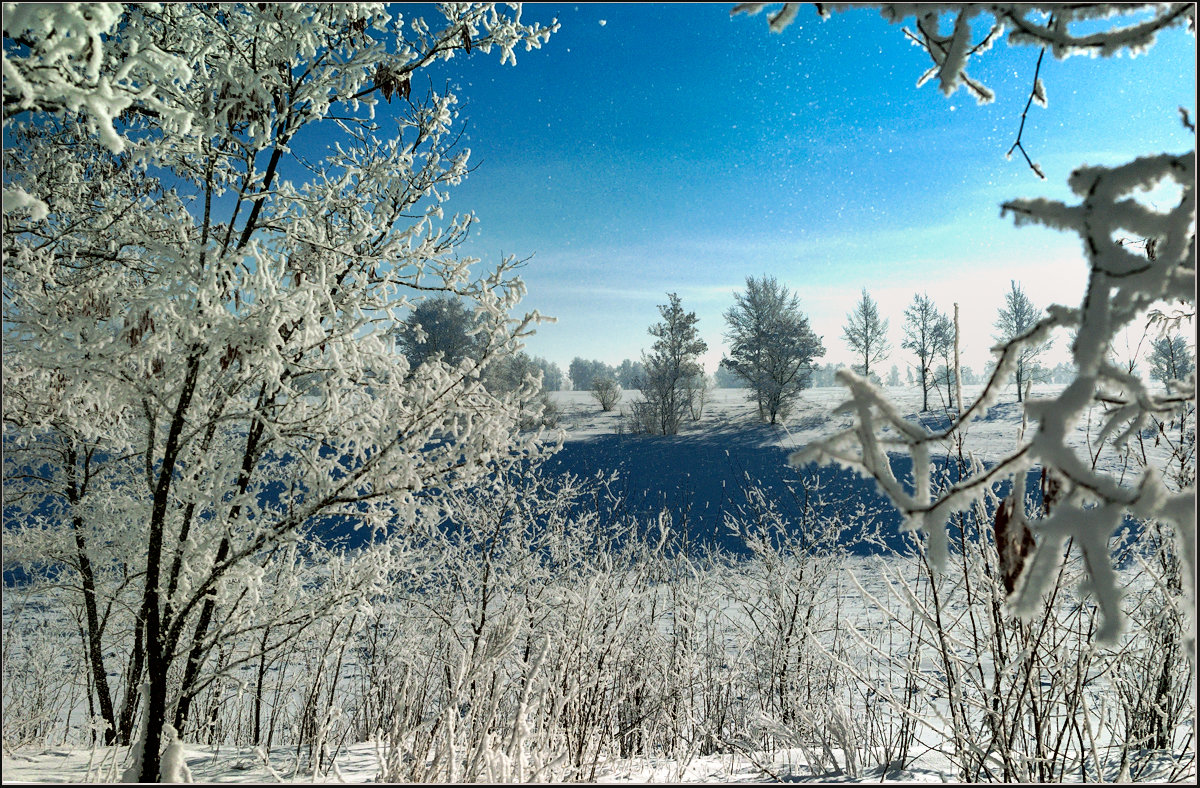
(703, 471)
(859, 610)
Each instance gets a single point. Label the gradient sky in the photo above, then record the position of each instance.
(654, 148)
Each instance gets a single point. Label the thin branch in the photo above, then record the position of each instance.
(1033, 91)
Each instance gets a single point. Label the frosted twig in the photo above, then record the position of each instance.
(1036, 92)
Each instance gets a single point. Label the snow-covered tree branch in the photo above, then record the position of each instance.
(1084, 505)
(188, 297)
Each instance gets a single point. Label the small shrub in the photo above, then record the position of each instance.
(607, 392)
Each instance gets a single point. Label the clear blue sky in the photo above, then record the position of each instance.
(655, 148)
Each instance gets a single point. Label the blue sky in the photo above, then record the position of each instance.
(654, 148)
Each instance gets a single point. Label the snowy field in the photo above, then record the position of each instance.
(796, 657)
(704, 470)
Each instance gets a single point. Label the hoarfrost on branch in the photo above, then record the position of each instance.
(1122, 285)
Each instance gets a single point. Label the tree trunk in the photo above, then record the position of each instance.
(197, 653)
(158, 651)
(957, 367)
(258, 687)
(95, 649)
(133, 679)
(924, 388)
(198, 650)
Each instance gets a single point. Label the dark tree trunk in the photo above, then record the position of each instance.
(158, 651)
(258, 687)
(95, 649)
(198, 650)
(133, 679)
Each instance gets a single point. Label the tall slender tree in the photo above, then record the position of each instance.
(926, 333)
(866, 334)
(673, 359)
(1017, 316)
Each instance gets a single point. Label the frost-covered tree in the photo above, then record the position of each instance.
(440, 329)
(521, 376)
(927, 332)
(670, 363)
(696, 387)
(1170, 360)
(825, 375)
(552, 374)
(1088, 504)
(866, 334)
(772, 346)
(893, 378)
(444, 330)
(724, 378)
(220, 350)
(1017, 316)
(606, 392)
(630, 373)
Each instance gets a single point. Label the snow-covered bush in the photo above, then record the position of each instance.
(606, 392)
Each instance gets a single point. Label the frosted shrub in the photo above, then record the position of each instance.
(606, 392)
(42, 676)
(782, 608)
(1022, 699)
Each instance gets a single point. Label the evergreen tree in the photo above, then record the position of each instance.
(672, 360)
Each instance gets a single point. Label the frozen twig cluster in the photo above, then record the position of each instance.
(1045, 25)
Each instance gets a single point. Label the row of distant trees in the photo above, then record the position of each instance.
(772, 353)
(773, 350)
(929, 335)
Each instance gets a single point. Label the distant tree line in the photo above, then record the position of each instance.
(772, 354)
(584, 373)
